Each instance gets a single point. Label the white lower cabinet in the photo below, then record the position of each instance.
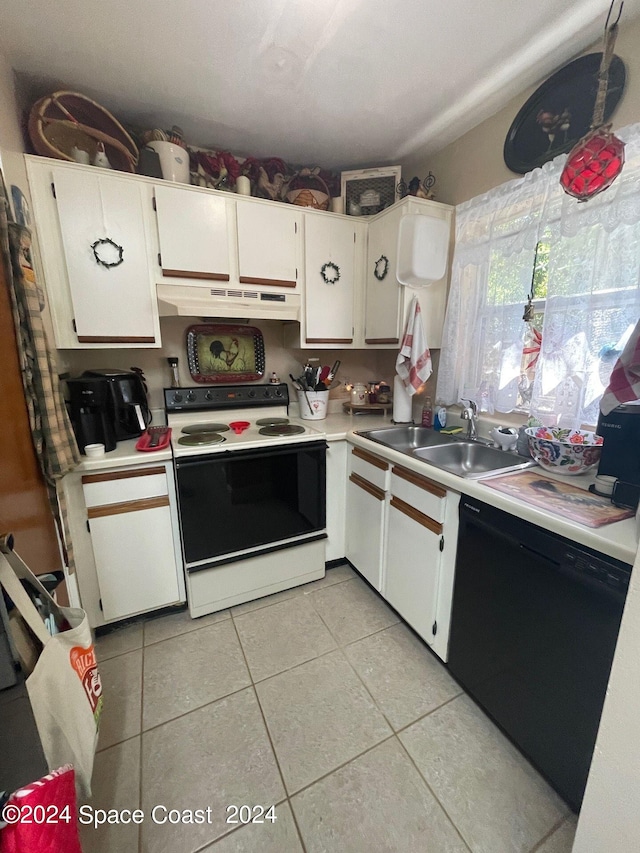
(402, 530)
(134, 542)
(366, 509)
(413, 566)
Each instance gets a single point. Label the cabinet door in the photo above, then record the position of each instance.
(110, 304)
(382, 324)
(192, 228)
(268, 236)
(412, 566)
(330, 250)
(365, 528)
(134, 555)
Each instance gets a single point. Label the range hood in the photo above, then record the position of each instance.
(176, 300)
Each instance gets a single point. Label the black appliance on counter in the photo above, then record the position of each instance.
(534, 626)
(620, 456)
(107, 406)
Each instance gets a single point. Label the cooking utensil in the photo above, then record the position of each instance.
(332, 373)
(239, 426)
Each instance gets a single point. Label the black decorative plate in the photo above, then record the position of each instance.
(559, 112)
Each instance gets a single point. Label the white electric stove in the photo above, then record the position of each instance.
(251, 493)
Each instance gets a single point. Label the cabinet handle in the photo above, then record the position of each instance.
(275, 282)
(374, 491)
(121, 475)
(382, 340)
(370, 458)
(420, 482)
(127, 506)
(329, 340)
(416, 515)
(209, 276)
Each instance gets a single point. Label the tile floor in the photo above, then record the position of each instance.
(320, 701)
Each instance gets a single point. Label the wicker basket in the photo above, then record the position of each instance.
(66, 120)
(307, 189)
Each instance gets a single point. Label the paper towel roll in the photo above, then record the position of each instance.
(401, 402)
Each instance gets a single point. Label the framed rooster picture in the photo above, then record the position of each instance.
(559, 112)
(222, 352)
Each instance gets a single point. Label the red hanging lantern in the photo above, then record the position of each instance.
(593, 164)
(597, 159)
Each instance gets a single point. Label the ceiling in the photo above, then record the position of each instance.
(340, 83)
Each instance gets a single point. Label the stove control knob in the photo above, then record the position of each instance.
(177, 397)
(267, 393)
(191, 397)
(252, 394)
(278, 392)
(208, 395)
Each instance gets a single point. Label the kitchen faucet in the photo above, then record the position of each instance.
(470, 413)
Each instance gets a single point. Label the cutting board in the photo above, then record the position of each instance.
(559, 497)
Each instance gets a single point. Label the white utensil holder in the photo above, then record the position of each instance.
(313, 405)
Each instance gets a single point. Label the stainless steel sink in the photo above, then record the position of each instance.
(406, 439)
(472, 460)
(468, 459)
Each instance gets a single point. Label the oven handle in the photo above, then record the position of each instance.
(252, 454)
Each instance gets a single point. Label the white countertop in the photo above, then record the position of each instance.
(619, 540)
(124, 456)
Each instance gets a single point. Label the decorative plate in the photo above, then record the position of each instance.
(559, 112)
(225, 353)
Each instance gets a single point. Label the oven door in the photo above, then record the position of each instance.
(234, 501)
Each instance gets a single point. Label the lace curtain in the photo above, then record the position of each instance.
(588, 304)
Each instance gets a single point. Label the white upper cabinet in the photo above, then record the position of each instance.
(193, 233)
(269, 241)
(382, 319)
(95, 252)
(331, 245)
(386, 300)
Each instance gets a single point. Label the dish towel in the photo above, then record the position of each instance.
(413, 364)
(624, 384)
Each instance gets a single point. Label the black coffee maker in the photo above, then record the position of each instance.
(107, 406)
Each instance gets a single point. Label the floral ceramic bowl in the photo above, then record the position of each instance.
(564, 451)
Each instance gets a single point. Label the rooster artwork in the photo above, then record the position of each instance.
(554, 124)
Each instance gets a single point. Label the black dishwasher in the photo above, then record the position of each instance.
(534, 626)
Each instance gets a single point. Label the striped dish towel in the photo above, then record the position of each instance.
(413, 364)
(624, 384)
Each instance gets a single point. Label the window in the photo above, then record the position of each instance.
(582, 263)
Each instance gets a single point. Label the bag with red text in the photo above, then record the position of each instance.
(64, 688)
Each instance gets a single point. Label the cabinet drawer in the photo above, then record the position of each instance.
(123, 486)
(370, 468)
(419, 492)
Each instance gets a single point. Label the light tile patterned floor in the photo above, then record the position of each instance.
(321, 702)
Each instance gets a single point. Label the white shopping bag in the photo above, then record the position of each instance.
(64, 688)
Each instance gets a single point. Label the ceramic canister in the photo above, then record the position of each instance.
(359, 394)
(174, 161)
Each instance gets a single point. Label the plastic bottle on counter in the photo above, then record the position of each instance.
(427, 413)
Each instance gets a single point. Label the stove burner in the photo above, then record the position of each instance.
(271, 421)
(281, 429)
(192, 428)
(197, 439)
